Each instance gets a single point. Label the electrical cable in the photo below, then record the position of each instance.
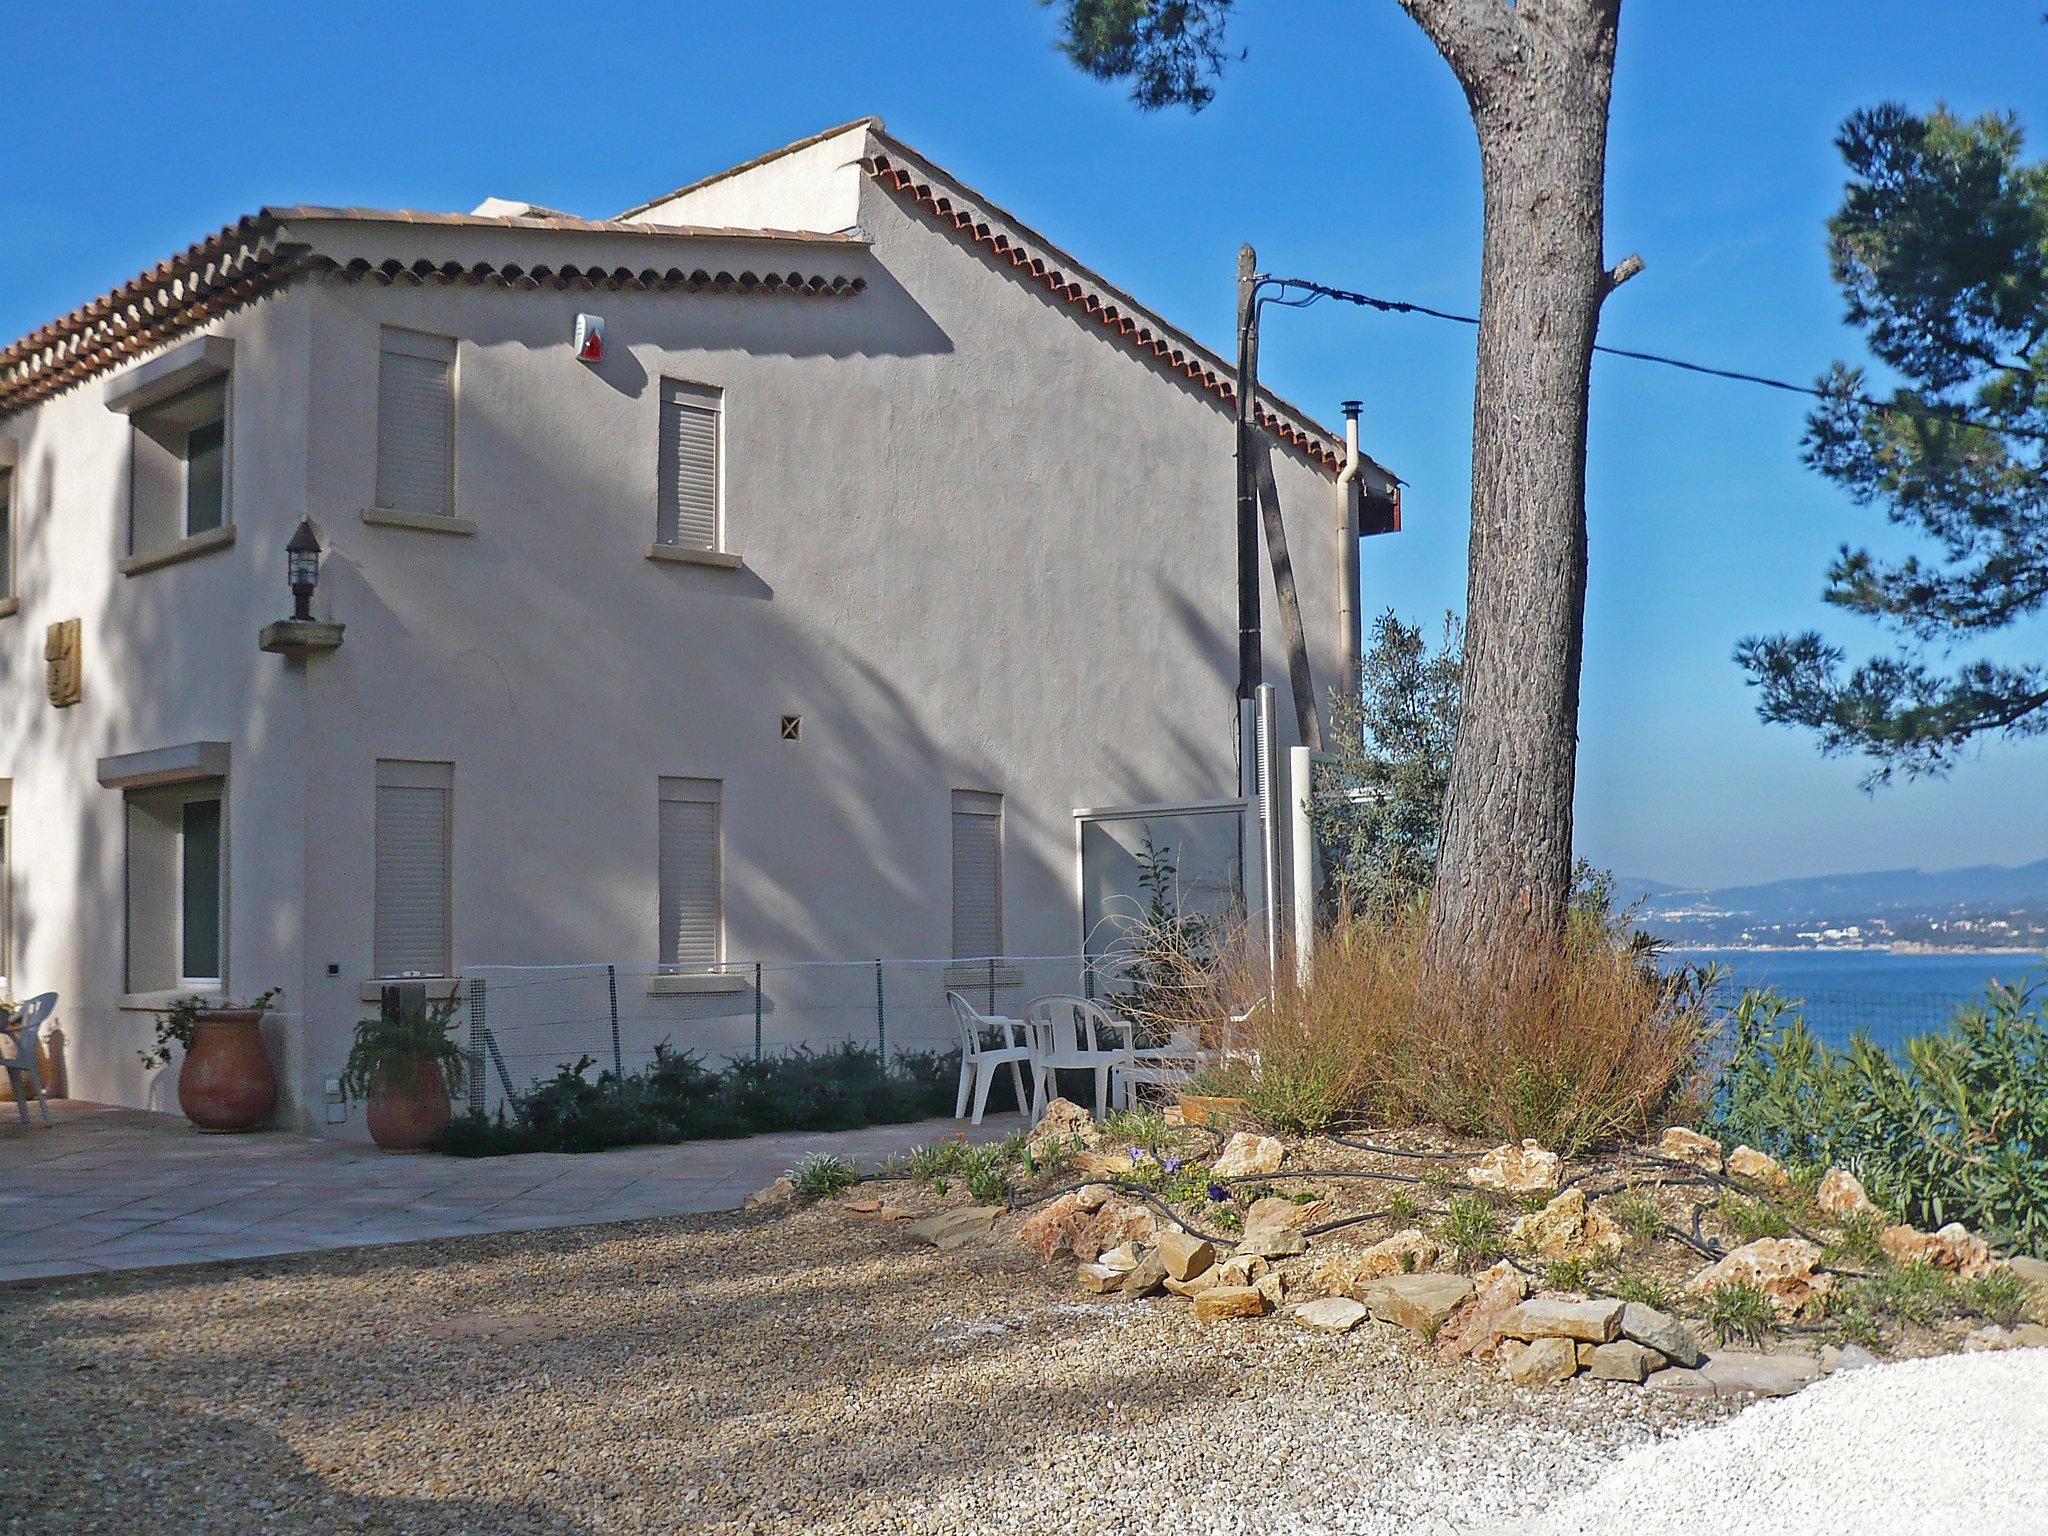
(1312, 292)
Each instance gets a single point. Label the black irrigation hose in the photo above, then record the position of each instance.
(1366, 1146)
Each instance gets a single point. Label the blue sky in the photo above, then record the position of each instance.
(1340, 145)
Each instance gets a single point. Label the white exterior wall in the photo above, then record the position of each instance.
(169, 657)
(986, 545)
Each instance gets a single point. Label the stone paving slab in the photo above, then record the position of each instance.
(106, 1189)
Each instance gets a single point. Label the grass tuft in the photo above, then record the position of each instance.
(1738, 1312)
(1473, 1229)
(822, 1176)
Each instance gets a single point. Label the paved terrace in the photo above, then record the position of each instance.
(105, 1189)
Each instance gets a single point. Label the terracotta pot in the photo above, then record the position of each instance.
(225, 1083)
(407, 1112)
(1217, 1113)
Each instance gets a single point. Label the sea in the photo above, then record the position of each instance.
(1890, 997)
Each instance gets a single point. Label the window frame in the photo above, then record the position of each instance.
(416, 773)
(6, 887)
(143, 551)
(984, 805)
(431, 347)
(10, 533)
(166, 804)
(692, 395)
(677, 789)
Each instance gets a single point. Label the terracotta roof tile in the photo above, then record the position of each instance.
(256, 255)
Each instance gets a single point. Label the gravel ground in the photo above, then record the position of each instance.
(805, 1373)
(1958, 1443)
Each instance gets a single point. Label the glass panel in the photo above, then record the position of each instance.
(199, 881)
(205, 477)
(1200, 857)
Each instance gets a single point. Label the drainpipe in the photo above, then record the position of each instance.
(1347, 553)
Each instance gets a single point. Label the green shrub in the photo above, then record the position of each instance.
(676, 1097)
(1473, 1229)
(1642, 1290)
(2000, 1295)
(1739, 1312)
(1402, 1208)
(1638, 1214)
(1910, 1293)
(1572, 1274)
(1957, 1130)
(822, 1176)
(1751, 1219)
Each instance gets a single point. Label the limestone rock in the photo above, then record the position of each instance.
(1202, 1282)
(1540, 1362)
(958, 1227)
(1112, 1165)
(1758, 1168)
(1092, 1197)
(1842, 1194)
(1098, 1278)
(1332, 1314)
(1145, 1277)
(1419, 1303)
(1686, 1146)
(1241, 1269)
(1524, 1170)
(1736, 1373)
(2029, 1336)
(1567, 1228)
(2033, 1271)
(1123, 1258)
(1278, 1213)
(1270, 1243)
(1595, 1322)
(1786, 1268)
(1954, 1247)
(1069, 1225)
(1849, 1357)
(1474, 1330)
(1623, 1360)
(1067, 1123)
(1184, 1255)
(1662, 1332)
(1407, 1252)
(1273, 1286)
(1990, 1337)
(1228, 1301)
(777, 1193)
(1247, 1154)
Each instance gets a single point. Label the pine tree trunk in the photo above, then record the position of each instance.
(1539, 97)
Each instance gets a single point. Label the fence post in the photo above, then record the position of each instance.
(757, 1010)
(991, 983)
(611, 978)
(881, 1016)
(476, 1046)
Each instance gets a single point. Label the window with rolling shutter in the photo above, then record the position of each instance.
(977, 874)
(692, 894)
(415, 839)
(416, 422)
(692, 419)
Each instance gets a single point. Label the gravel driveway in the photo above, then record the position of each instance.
(812, 1372)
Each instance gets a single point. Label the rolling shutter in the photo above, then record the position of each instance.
(416, 423)
(690, 419)
(414, 840)
(692, 896)
(977, 874)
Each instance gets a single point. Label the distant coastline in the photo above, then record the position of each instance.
(1904, 947)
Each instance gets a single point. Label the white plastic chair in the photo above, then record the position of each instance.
(1067, 1035)
(978, 1060)
(21, 1031)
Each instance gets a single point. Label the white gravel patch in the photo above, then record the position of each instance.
(1955, 1444)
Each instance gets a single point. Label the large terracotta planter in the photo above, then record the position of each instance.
(225, 1083)
(406, 1113)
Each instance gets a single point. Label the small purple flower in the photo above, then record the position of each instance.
(1137, 1154)
(1171, 1165)
(1219, 1194)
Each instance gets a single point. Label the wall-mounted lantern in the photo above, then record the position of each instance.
(301, 635)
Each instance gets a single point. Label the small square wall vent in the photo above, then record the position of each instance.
(792, 727)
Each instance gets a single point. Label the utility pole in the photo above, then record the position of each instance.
(1249, 669)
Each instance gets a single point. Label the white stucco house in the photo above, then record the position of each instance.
(882, 538)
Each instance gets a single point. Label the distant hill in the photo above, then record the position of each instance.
(1985, 905)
